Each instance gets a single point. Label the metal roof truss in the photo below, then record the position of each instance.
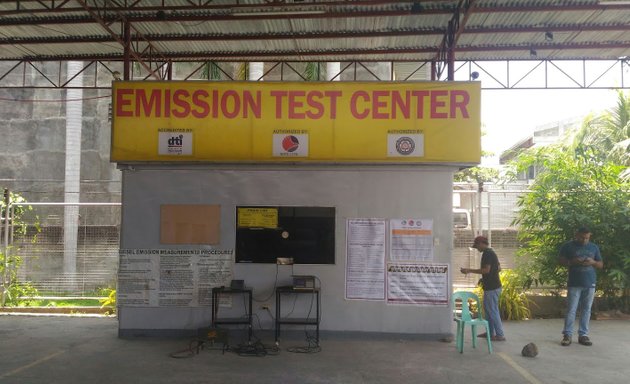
(520, 74)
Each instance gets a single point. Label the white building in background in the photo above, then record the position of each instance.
(552, 133)
(543, 135)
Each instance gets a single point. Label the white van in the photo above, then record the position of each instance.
(461, 218)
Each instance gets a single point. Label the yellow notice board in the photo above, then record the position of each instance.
(257, 217)
(328, 122)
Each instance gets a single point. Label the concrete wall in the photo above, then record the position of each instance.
(356, 192)
(33, 123)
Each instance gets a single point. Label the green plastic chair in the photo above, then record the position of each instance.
(465, 318)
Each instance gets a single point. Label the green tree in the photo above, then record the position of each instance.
(477, 175)
(211, 71)
(242, 71)
(12, 289)
(608, 134)
(573, 188)
(314, 71)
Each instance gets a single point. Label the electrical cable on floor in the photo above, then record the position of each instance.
(256, 349)
(193, 349)
(247, 349)
(312, 341)
(311, 347)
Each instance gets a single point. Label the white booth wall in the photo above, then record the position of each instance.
(386, 192)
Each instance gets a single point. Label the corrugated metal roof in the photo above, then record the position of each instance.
(314, 30)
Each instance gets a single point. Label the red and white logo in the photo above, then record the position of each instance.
(290, 143)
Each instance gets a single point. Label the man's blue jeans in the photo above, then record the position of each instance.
(584, 298)
(491, 308)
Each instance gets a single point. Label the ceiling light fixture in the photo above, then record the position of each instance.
(548, 36)
(533, 53)
(474, 75)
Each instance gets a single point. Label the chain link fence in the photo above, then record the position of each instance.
(67, 249)
(57, 268)
(492, 211)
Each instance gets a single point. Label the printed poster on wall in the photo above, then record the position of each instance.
(171, 277)
(365, 263)
(411, 240)
(418, 284)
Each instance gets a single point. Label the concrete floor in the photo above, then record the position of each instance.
(72, 350)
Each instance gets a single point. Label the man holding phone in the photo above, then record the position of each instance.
(581, 257)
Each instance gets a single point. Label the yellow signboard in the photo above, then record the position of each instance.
(257, 218)
(331, 122)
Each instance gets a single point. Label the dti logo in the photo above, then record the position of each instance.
(290, 143)
(176, 141)
(405, 145)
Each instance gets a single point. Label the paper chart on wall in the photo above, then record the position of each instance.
(418, 284)
(171, 277)
(365, 263)
(411, 240)
(138, 278)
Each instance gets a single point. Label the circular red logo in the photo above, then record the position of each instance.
(290, 143)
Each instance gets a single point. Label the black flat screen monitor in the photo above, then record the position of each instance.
(306, 234)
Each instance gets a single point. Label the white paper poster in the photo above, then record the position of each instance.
(137, 278)
(365, 259)
(418, 284)
(411, 240)
(171, 277)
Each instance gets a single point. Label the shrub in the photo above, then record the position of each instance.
(110, 300)
(513, 303)
(14, 290)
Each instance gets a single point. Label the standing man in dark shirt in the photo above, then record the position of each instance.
(581, 257)
(491, 284)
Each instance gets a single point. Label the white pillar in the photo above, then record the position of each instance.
(256, 70)
(332, 70)
(384, 70)
(72, 188)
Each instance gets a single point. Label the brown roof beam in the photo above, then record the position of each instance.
(338, 54)
(15, 21)
(95, 14)
(223, 37)
(546, 47)
(312, 35)
(201, 12)
(207, 5)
